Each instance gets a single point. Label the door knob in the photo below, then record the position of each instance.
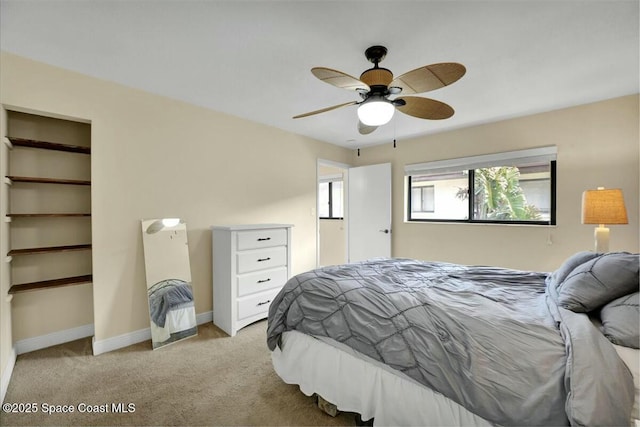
(385, 231)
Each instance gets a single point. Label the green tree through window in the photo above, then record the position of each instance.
(498, 195)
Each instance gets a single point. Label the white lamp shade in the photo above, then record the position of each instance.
(376, 112)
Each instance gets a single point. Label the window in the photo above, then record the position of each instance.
(445, 193)
(330, 200)
(517, 187)
(422, 198)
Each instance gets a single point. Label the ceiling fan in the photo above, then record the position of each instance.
(376, 85)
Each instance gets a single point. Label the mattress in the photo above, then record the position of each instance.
(357, 383)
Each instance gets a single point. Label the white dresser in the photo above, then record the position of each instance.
(251, 263)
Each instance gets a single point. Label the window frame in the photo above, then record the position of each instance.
(471, 182)
(330, 192)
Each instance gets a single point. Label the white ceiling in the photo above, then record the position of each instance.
(253, 58)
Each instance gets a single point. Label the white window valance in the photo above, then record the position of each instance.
(519, 157)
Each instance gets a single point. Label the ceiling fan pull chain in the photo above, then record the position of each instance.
(394, 133)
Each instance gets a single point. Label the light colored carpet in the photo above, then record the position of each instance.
(210, 379)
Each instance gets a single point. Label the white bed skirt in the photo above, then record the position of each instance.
(178, 319)
(356, 383)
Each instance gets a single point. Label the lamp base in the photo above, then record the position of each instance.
(601, 235)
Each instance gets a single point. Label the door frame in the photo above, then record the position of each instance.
(345, 196)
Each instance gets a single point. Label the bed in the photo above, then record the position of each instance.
(172, 311)
(408, 342)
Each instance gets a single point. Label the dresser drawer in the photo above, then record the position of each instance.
(255, 239)
(261, 259)
(256, 304)
(261, 281)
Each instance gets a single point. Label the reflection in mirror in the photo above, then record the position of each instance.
(166, 255)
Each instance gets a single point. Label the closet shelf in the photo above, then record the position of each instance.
(64, 281)
(46, 155)
(29, 251)
(32, 143)
(48, 180)
(45, 215)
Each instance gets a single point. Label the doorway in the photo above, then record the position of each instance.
(353, 212)
(331, 211)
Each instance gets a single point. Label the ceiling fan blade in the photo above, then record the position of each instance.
(365, 129)
(324, 110)
(338, 79)
(429, 77)
(425, 108)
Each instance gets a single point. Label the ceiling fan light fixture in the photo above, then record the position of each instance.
(376, 111)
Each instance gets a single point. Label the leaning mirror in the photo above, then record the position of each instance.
(166, 258)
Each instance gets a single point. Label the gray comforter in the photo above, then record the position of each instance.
(493, 340)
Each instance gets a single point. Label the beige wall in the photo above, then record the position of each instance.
(156, 157)
(333, 243)
(598, 145)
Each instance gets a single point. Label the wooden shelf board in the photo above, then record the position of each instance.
(45, 215)
(65, 281)
(48, 180)
(32, 143)
(29, 251)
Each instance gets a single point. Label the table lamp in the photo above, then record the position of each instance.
(603, 206)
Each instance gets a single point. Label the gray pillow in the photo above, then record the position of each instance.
(621, 321)
(572, 262)
(598, 281)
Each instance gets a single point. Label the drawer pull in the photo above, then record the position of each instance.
(264, 280)
(262, 239)
(263, 303)
(264, 259)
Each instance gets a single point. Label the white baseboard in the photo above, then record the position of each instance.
(54, 338)
(6, 375)
(131, 338)
(120, 341)
(205, 317)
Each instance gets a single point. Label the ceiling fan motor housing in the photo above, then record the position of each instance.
(378, 79)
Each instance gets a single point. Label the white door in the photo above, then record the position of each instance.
(369, 212)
